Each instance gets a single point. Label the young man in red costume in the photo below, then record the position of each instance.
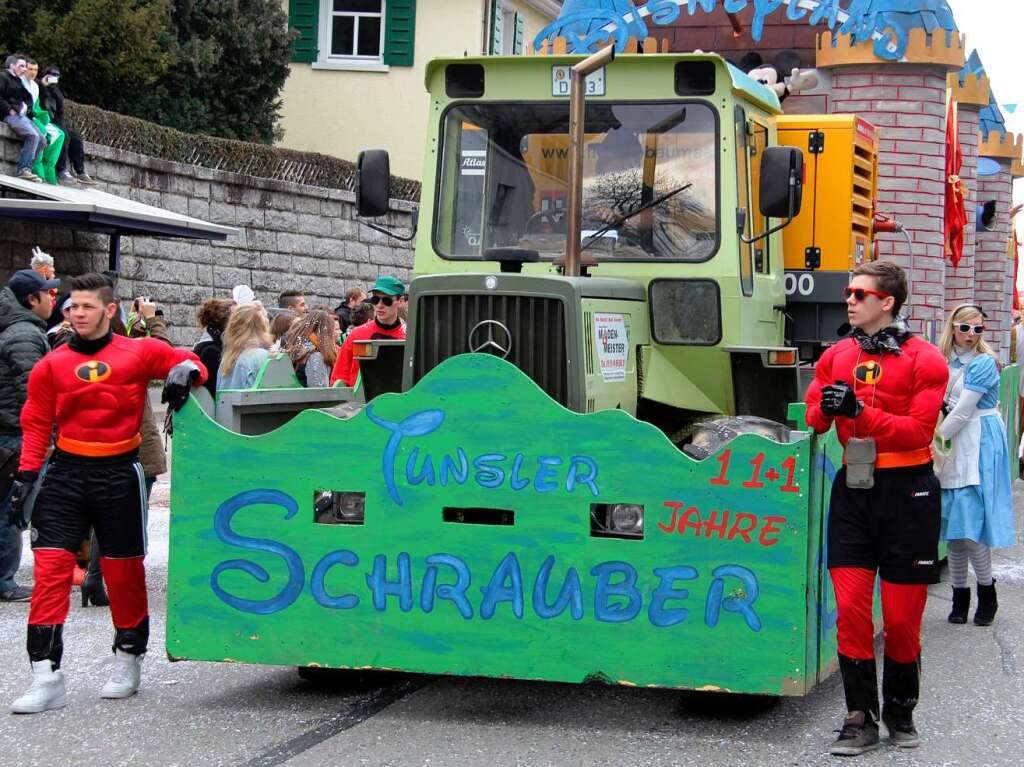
(885, 385)
(388, 298)
(92, 389)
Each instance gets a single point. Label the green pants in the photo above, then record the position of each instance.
(46, 165)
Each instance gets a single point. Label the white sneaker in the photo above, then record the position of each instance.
(46, 692)
(127, 673)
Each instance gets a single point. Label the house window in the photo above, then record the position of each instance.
(507, 29)
(370, 35)
(508, 22)
(355, 29)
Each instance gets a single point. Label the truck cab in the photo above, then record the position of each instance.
(679, 310)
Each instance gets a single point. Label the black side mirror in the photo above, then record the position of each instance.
(373, 183)
(782, 181)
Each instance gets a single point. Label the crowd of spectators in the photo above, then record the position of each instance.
(240, 334)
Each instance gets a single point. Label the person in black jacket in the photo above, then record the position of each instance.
(16, 107)
(51, 98)
(212, 317)
(24, 306)
(353, 298)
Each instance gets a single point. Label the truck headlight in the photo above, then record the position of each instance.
(338, 507)
(617, 520)
(627, 518)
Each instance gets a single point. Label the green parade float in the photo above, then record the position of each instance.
(566, 503)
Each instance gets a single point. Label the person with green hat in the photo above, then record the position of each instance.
(388, 299)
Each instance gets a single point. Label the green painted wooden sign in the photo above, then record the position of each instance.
(725, 589)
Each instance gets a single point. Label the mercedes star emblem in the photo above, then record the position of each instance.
(490, 337)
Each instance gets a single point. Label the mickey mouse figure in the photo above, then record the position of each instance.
(783, 75)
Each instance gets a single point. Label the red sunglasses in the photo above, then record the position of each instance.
(861, 293)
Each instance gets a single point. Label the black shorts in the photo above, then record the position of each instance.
(106, 494)
(892, 528)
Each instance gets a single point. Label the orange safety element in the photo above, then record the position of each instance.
(362, 349)
(97, 449)
(901, 459)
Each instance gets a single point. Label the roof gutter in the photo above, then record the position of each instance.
(550, 8)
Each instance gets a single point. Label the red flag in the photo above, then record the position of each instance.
(956, 208)
(1016, 267)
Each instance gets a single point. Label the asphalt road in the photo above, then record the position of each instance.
(221, 714)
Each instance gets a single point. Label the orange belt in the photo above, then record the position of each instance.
(901, 459)
(97, 449)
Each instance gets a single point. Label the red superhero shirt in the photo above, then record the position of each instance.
(94, 399)
(346, 367)
(902, 394)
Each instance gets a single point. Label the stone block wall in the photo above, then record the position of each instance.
(908, 104)
(993, 270)
(288, 237)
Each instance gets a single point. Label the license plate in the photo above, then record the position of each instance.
(560, 82)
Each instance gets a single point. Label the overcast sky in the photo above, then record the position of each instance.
(994, 28)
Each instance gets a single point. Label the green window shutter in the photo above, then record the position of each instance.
(497, 22)
(399, 32)
(304, 18)
(517, 42)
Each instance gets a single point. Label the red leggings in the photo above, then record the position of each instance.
(126, 587)
(902, 610)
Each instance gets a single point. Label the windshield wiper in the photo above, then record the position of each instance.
(626, 216)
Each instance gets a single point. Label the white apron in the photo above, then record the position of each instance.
(961, 467)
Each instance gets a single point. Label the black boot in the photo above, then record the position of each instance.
(92, 584)
(961, 605)
(859, 732)
(901, 685)
(45, 642)
(987, 605)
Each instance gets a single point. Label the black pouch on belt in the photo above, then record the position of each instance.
(860, 463)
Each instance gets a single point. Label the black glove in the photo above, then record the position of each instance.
(20, 490)
(178, 384)
(840, 399)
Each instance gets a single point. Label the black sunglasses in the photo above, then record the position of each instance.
(965, 327)
(386, 300)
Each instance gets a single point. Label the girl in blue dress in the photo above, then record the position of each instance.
(977, 502)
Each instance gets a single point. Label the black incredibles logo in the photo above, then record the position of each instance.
(869, 373)
(93, 371)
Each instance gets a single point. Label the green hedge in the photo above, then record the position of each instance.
(134, 135)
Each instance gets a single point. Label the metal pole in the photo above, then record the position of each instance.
(577, 118)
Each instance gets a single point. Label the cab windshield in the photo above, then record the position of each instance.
(505, 174)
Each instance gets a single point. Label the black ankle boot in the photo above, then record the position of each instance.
(987, 605)
(93, 591)
(901, 686)
(961, 605)
(859, 732)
